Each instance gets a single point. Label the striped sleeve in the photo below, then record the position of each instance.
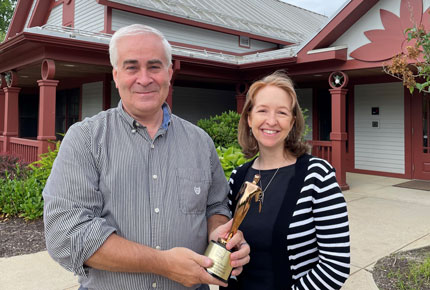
(74, 228)
(318, 246)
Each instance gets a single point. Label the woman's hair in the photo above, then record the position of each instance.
(294, 142)
(136, 29)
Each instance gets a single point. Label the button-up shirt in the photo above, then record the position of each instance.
(110, 176)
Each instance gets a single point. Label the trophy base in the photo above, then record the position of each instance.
(221, 268)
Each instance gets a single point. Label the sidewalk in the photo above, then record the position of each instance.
(383, 220)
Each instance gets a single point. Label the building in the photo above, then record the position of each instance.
(55, 71)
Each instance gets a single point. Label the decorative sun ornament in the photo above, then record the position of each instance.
(338, 80)
(386, 43)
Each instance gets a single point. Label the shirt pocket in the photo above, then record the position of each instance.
(193, 187)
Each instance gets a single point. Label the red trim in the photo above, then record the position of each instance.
(270, 63)
(352, 12)
(80, 103)
(181, 20)
(107, 91)
(41, 12)
(315, 115)
(108, 21)
(218, 50)
(19, 18)
(351, 132)
(69, 13)
(379, 173)
(408, 132)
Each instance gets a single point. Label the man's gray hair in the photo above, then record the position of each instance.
(136, 29)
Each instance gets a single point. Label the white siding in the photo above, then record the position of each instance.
(193, 104)
(31, 13)
(114, 96)
(354, 37)
(383, 148)
(89, 15)
(56, 16)
(92, 99)
(304, 97)
(188, 34)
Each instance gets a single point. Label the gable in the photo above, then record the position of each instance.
(379, 34)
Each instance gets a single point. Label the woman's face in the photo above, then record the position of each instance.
(271, 117)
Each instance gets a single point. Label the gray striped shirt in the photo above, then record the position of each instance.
(110, 176)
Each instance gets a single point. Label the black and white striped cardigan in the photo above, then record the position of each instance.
(316, 242)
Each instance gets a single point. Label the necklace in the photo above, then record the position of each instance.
(263, 190)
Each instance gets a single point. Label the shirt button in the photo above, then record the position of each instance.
(152, 146)
(158, 247)
(157, 210)
(154, 285)
(154, 176)
(133, 131)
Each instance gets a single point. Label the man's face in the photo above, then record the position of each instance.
(142, 75)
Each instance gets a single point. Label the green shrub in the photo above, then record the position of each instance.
(230, 158)
(22, 195)
(222, 128)
(42, 167)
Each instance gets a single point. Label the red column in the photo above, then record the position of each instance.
(338, 135)
(46, 130)
(2, 112)
(176, 67)
(240, 102)
(11, 116)
(241, 90)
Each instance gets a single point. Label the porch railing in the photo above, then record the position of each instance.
(1, 144)
(322, 149)
(25, 148)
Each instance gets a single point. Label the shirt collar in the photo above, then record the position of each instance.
(132, 122)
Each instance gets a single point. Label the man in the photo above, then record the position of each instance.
(136, 192)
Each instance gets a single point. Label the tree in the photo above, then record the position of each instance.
(6, 13)
(413, 67)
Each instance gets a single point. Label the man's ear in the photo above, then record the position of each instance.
(170, 72)
(115, 76)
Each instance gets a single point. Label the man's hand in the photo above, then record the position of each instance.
(238, 258)
(188, 268)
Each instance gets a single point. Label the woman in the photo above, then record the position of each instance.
(300, 239)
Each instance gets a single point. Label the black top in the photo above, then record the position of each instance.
(258, 227)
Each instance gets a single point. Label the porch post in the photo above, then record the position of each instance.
(11, 116)
(176, 66)
(241, 90)
(47, 101)
(2, 100)
(338, 135)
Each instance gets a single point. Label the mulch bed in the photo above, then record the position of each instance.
(398, 262)
(19, 237)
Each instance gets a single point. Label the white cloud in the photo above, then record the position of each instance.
(320, 6)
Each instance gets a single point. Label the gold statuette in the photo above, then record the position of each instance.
(221, 269)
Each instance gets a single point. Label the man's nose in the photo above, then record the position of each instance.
(144, 78)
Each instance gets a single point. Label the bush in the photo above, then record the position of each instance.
(13, 166)
(42, 167)
(222, 128)
(21, 195)
(230, 158)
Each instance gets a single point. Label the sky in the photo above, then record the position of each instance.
(324, 7)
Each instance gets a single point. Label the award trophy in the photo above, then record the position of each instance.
(221, 268)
